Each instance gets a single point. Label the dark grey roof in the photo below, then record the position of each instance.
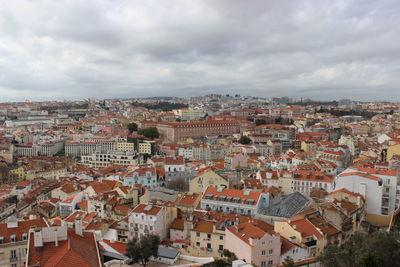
(167, 253)
(287, 207)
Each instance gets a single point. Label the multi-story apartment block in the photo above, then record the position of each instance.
(125, 146)
(147, 219)
(207, 238)
(254, 244)
(146, 147)
(303, 233)
(104, 159)
(144, 176)
(188, 114)
(14, 241)
(304, 181)
(197, 129)
(244, 202)
(88, 147)
(207, 178)
(380, 188)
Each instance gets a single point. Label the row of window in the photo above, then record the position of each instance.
(13, 238)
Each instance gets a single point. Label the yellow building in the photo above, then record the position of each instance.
(125, 146)
(145, 147)
(206, 240)
(308, 146)
(393, 150)
(17, 174)
(210, 178)
(301, 232)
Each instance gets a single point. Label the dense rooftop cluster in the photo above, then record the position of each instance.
(266, 180)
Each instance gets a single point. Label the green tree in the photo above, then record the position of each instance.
(230, 255)
(132, 127)
(244, 140)
(369, 259)
(150, 132)
(365, 250)
(288, 262)
(260, 122)
(140, 250)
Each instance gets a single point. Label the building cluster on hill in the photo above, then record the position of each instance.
(265, 180)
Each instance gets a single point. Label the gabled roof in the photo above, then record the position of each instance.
(243, 196)
(22, 227)
(247, 231)
(188, 199)
(100, 187)
(361, 174)
(147, 209)
(78, 250)
(304, 226)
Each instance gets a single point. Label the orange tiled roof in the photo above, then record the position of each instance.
(188, 199)
(23, 227)
(141, 209)
(232, 193)
(246, 231)
(76, 251)
(178, 224)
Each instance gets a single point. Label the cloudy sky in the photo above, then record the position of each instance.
(71, 49)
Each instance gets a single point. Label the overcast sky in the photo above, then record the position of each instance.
(70, 49)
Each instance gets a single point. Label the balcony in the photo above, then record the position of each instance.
(209, 249)
(385, 196)
(13, 259)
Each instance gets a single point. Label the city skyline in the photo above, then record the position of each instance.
(125, 49)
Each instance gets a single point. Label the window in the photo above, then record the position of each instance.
(263, 264)
(208, 245)
(263, 252)
(1, 240)
(221, 247)
(13, 238)
(24, 236)
(221, 237)
(197, 234)
(13, 253)
(270, 251)
(270, 262)
(208, 236)
(197, 244)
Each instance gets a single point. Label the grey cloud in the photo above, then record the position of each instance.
(319, 49)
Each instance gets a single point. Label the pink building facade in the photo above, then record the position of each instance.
(253, 245)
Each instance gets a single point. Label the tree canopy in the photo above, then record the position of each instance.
(150, 132)
(140, 250)
(365, 250)
(163, 105)
(132, 127)
(244, 140)
(260, 122)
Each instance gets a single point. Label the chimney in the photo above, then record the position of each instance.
(37, 238)
(251, 241)
(78, 226)
(55, 237)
